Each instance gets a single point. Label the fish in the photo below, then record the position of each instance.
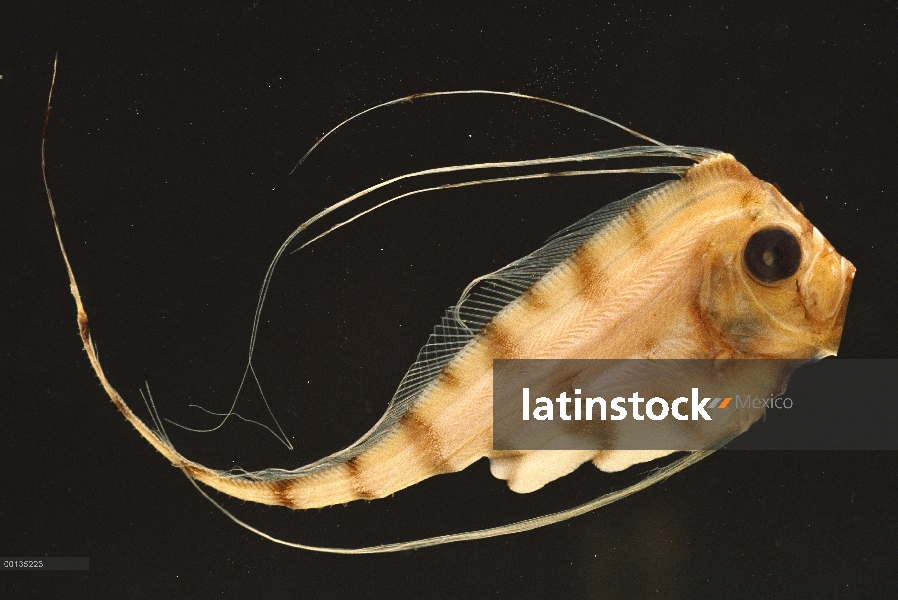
(715, 264)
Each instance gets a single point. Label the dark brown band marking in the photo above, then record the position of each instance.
(747, 200)
(426, 441)
(83, 328)
(191, 471)
(355, 475)
(281, 490)
(636, 220)
(590, 279)
(648, 346)
(500, 341)
(448, 378)
(533, 299)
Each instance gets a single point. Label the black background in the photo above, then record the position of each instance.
(173, 132)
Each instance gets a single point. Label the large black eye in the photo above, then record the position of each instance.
(772, 254)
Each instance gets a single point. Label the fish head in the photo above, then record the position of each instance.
(773, 286)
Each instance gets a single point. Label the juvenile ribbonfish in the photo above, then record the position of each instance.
(714, 265)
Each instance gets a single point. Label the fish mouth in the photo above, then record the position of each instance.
(831, 342)
(848, 269)
(848, 272)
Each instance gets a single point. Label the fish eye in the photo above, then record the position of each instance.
(772, 254)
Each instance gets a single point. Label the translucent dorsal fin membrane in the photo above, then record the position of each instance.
(484, 296)
(481, 300)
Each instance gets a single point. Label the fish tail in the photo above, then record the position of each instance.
(412, 450)
(409, 453)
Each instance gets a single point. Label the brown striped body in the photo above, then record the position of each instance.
(665, 280)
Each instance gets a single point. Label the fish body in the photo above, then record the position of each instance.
(664, 279)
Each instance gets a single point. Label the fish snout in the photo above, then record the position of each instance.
(824, 292)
